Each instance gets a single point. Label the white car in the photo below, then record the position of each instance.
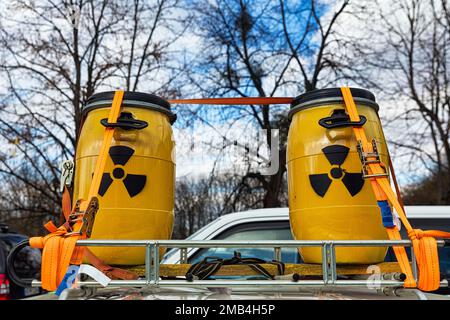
(273, 224)
(267, 224)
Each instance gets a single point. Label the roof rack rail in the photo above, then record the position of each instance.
(329, 266)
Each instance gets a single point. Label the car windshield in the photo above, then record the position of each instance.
(278, 230)
(170, 252)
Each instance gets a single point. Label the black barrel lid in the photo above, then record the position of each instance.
(130, 98)
(320, 97)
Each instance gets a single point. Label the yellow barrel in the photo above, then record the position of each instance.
(328, 198)
(136, 194)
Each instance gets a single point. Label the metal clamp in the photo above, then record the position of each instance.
(87, 217)
(368, 158)
(66, 174)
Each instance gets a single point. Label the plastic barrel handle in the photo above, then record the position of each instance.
(339, 119)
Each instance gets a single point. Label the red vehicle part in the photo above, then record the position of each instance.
(4, 287)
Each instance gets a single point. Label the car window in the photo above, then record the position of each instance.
(275, 230)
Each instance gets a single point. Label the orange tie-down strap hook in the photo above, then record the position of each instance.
(423, 242)
(59, 248)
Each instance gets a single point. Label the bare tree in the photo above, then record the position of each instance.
(192, 201)
(263, 48)
(407, 56)
(202, 199)
(55, 54)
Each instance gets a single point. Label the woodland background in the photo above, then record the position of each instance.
(56, 53)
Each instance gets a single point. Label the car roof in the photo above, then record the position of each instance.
(282, 213)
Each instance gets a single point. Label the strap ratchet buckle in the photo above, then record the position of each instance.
(368, 158)
(87, 217)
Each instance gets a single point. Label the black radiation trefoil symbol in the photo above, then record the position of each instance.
(134, 183)
(336, 155)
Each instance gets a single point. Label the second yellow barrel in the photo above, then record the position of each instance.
(136, 195)
(328, 197)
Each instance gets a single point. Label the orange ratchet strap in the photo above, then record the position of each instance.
(236, 101)
(111, 272)
(424, 242)
(59, 247)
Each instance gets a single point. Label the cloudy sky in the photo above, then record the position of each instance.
(197, 151)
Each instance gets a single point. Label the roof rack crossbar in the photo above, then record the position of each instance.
(329, 265)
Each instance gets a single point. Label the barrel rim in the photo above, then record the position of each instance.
(322, 97)
(130, 99)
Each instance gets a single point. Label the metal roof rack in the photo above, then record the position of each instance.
(329, 267)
